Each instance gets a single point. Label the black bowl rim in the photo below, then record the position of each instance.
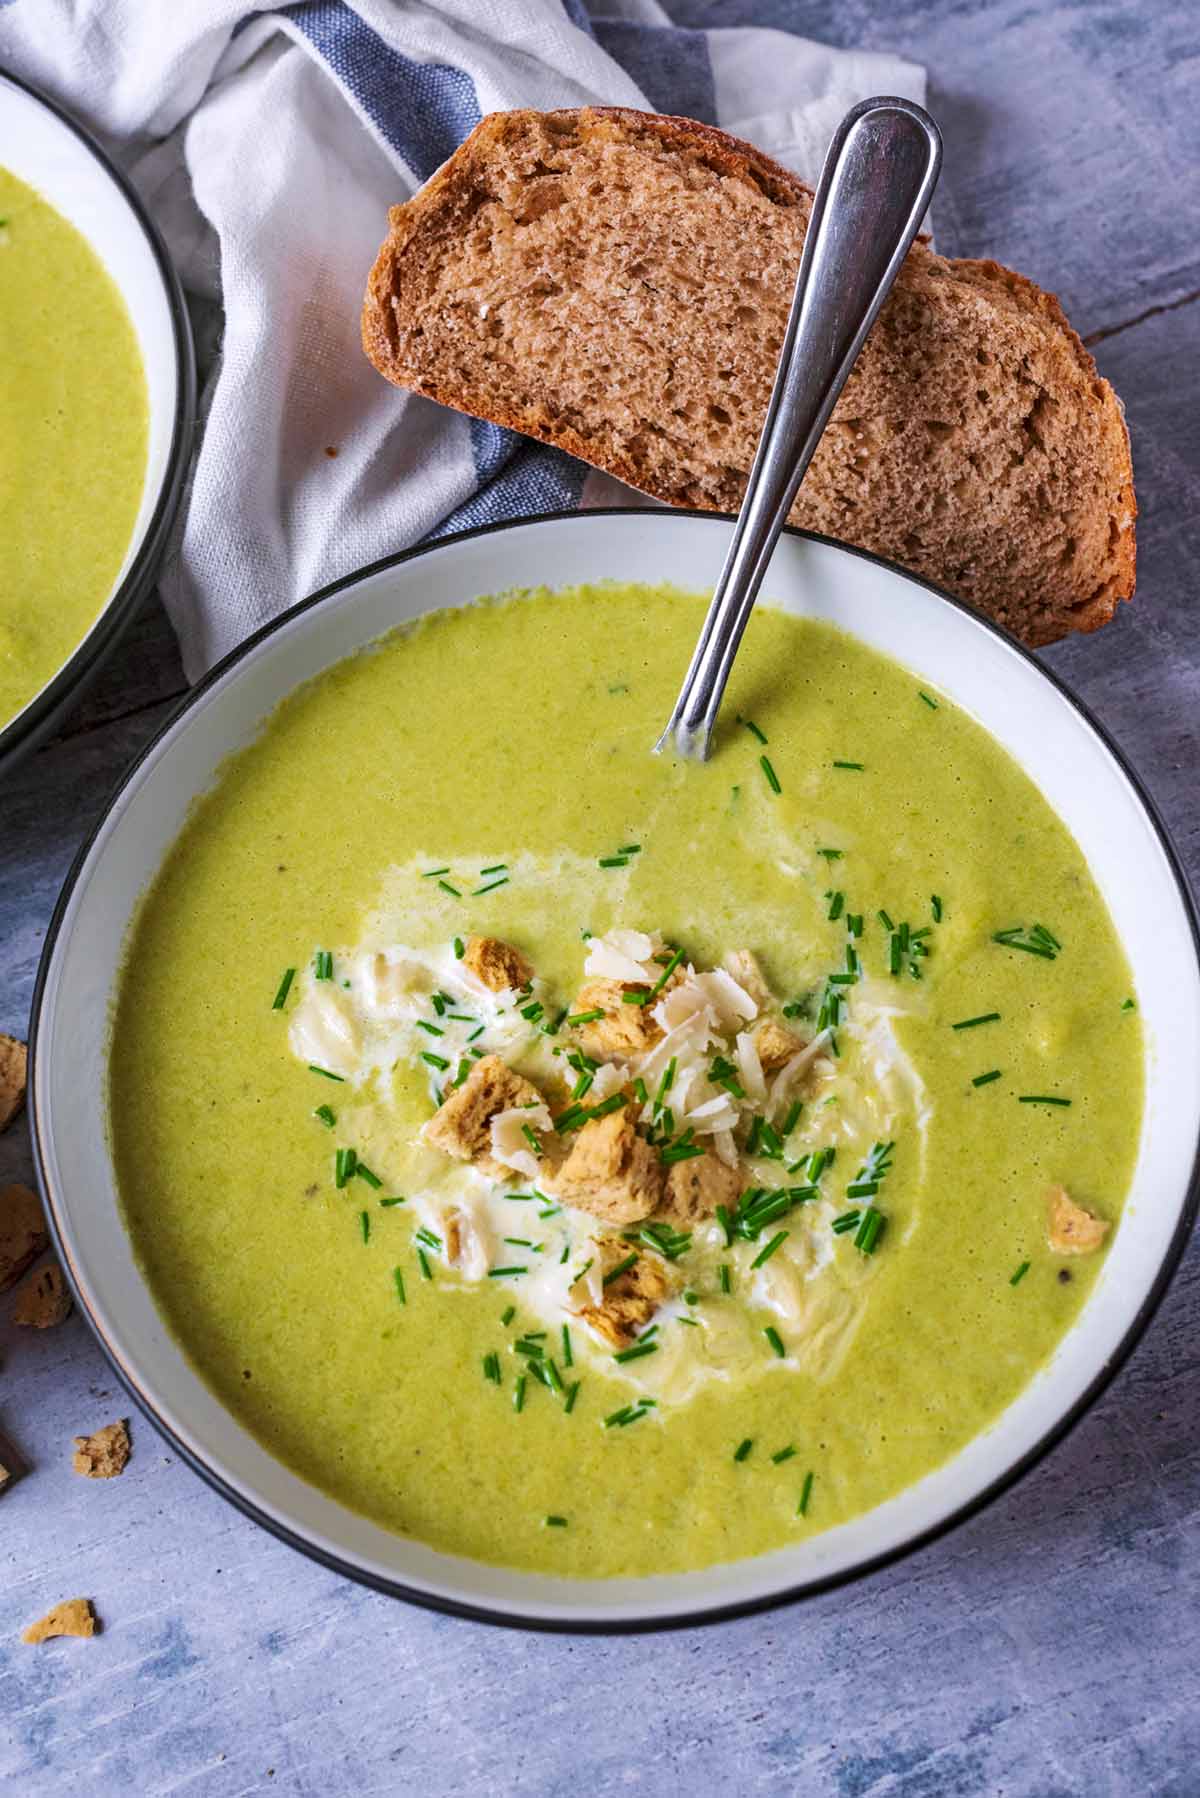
(43, 711)
(693, 1617)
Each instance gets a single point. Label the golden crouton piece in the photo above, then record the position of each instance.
(73, 1617)
(697, 1186)
(743, 965)
(44, 1300)
(462, 1126)
(497, 964)
(776, 1046)
(630, 1300)
(22, 1233)
(13, 1058)
(1071, 1229)
(623, 1029)
(104, 1455)
(610, 1171)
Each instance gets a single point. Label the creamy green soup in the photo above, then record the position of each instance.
(488, 773)
(73, 425)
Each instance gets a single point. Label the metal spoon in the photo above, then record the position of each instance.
(878, 179)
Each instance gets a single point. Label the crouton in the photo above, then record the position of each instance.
(497, 964)
(73, 1617)
(22, 1233)
(743, 965)
(610, 1171)
(13, 1058)
(1072, 1230)
(776, 1046)
(104, 1455)
(623, 1029)
(462, 1125)
(44, 1300)
(695, 1187)
(629, 1301)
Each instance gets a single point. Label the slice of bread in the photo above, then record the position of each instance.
(618, 283)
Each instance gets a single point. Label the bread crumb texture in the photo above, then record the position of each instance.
(104, 1455)
(497, 964)
(631, 1299)
(44, 1299)
(23, 1233)
(462, 1124)
(610, 1171)
(73, 1617)
(14, 1059)
(618, 283)
(1071, 1229)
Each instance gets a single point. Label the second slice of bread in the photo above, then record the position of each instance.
(618, 283)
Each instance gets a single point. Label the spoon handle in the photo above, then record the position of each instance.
(878, 179)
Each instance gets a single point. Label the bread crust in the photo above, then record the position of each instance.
(449, 194)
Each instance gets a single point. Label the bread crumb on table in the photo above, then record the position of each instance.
(104, 1455)
(23, 1233)
(13, 1061)
(44, 1300)
(73, 1617)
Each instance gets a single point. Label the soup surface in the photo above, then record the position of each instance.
(73, 431)
(434, 1343)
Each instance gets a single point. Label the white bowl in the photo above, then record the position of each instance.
(1081, 775)
(43, 147)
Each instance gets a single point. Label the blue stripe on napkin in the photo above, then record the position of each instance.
(672, 67)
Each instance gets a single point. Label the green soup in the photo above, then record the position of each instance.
(488, 772)
(73, 423)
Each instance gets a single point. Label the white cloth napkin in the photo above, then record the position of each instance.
(269, 144)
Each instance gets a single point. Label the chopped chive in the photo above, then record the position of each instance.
(753, 729)
(386, 1204)
(792, 1119)
(506, 1317)
(831, 855)
(583, 1270)
(572, 1395)
(869, 1230)
(1040, 1099)
(344, 1163)
(553, 1375)
(455, 892)
(885, 920)
(364, 1224)
(986, 1079)
(614, 1273)
(1129, 1005)
(857, 766)
(776, 1340)
(531, 1138)
(568, 1357)
(426, 1271)
(460, 948)
(806, 1489)
(849, 1220)
(285, 987)
(491, 886)
(783, 1454)
(931, 703)
(586, 1017)
(743, 1448)
(836, 902)
(985, 1017)
(432, 873)
(556, 1523)
(435, 1061)
(723, 1279)
(491, 1368)
(776, 1242)
(636, 1352)
(327, 1116)
(428, 1237)
(854, 923)
(496, 868)
(772, 777)
(323, 964)
(474, 1034)
(1020, 1274)
(501, 1273)
(613, 861)
(630, 849)
(398, 1279)
(935, 906)
(429, 1029)
(519, 1392)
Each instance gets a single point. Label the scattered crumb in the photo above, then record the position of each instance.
(22, 1232)
(13, 1059)
(1071, 1229)
(776, 1046)
(496, 963)
(102, 1456)
(44, 1300)
(73, 1617)
(330, 450)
